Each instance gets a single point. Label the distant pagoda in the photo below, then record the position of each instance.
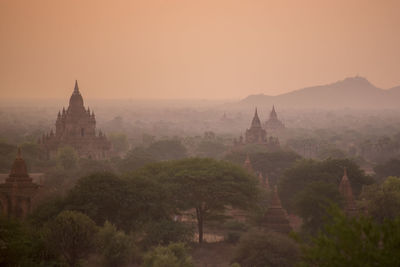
(347, 194)
(275, 218)
(76, 127)
(273, 123)
(18, 191)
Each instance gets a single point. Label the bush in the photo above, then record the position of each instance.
(116, 248)
(259, 249)
(165, 232)
(174, 255)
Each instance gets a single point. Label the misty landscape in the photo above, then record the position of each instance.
(181, 133)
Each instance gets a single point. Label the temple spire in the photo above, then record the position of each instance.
(256, 120)
(273, 113)
(76, 89)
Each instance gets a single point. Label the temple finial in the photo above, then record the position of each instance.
(76, 89)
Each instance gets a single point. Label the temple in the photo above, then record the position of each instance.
(347, 194)
(76, 127)
(256, 134)
(273, 123)
(276, 219)
(18, 191)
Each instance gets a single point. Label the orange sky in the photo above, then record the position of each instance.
(193, 48)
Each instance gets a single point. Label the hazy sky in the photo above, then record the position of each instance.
(193, 48)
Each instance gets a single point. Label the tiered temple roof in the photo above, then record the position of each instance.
(17, 192)
(275, 218)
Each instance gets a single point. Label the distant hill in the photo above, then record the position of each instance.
(355, 92)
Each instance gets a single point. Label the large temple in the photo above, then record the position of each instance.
(256, 134)
(76, 127)
(18, 190)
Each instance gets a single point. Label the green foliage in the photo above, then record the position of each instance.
(19, 246)
(127, 202)
(382, 201)
(259, 249)
(210, 148)
(166, 231)
(311, 204)
(330, 171)
(272, 164)
(7, 155)
(389, 168)
(135, 159)
(47, 210)
(205, 185)
(67, 158)
(354, 242)
(174, 255)
(72, 234)
(167, 150)
(115, 247)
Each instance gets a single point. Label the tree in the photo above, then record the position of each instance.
(167, 150)
(115, 246)
(311, 204)
(354, 241)
(67, 157)
(382, 201)
(272, 164)
(127, 202)
(19, 246)
(259, 249)
(135, 159)
(72, 234)
(304, 172)
(174, 255)
(205, 185)
(389, 168)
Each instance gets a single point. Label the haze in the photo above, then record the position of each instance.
(193, 49)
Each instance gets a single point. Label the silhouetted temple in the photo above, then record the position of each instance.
(256, 134)
(17, 192)
(273, 123)
(276, 219)
(76, 127)
(347, 194)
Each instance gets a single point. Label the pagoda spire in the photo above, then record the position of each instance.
(76, 88)
(273, 113)
(256, 120)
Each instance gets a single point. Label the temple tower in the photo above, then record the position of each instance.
(17, 192)
(347, 194)
(275, 218)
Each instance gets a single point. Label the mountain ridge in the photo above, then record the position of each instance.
(352, 92)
